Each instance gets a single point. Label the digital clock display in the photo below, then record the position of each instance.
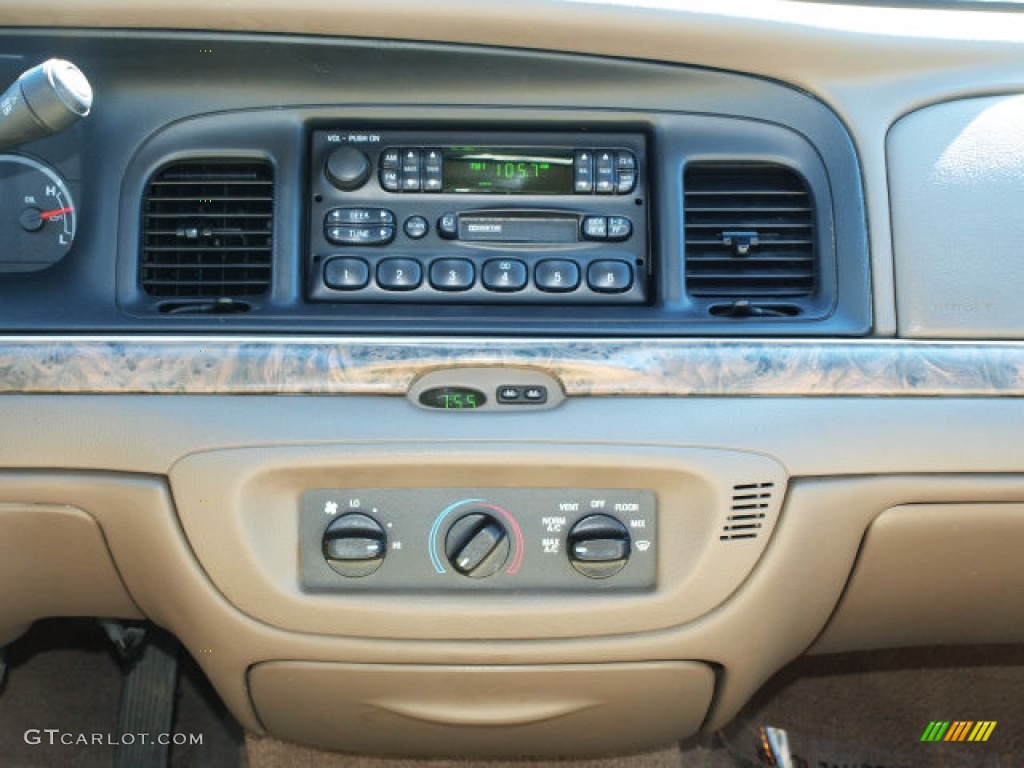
(508, 171)
(453, 398)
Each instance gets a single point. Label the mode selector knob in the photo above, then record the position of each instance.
(347, 168)
(598, 546)
(355, 544)
(477, 545)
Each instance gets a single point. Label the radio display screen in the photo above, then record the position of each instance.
(508, 171)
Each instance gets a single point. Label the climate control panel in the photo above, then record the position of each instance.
(441, 539)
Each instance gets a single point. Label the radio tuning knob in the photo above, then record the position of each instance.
(347, 168)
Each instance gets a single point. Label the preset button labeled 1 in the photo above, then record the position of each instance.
(346, 274)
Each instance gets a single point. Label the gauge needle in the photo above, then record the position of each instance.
(47, 215)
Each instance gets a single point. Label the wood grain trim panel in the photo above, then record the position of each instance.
(310, 365)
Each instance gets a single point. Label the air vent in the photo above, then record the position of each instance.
(207, 230)
(750, 504)
(749, 237)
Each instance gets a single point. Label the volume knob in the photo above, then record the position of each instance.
(347, 168)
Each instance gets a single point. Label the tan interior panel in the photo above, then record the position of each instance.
(531, 710)
(78, 579)
(773, 617)
(932, 574)
(956, 178)
(239, 510)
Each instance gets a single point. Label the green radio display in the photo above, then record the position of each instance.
(508, 171)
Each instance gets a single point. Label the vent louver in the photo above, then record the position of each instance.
(746, 517)
(207, 230)
(749, 234)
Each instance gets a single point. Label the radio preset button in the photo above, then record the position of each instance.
(595, 227)
(360, 235)
(363, 217)
(345, 274)
(619, 228)
(399, 274)
(583, 171)
(452, 274)
(609, 276)
(416, 227)
(448, 226)
(504, 275)
(557, 276)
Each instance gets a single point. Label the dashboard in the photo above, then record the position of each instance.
(450, 384)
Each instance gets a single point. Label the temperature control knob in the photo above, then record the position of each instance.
(477, 545)
(598, 546)
(355, 544)
(347, 168)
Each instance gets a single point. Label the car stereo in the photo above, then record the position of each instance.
(478, 217)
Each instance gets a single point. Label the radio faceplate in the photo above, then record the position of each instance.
(478, 217)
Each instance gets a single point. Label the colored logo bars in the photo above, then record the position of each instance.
(958, 730)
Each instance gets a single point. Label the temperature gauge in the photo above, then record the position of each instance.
(37, 215)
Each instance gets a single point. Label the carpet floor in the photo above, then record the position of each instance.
(845, 711)
(65, 675)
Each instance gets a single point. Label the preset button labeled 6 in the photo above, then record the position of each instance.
(609, 276)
